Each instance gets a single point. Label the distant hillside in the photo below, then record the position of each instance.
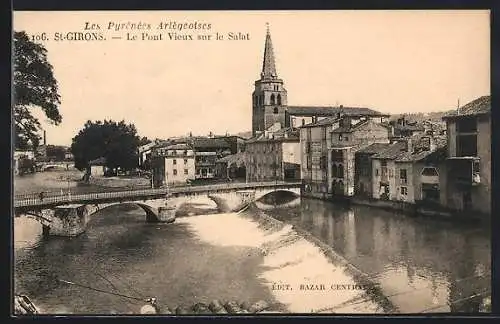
(246, 134)
(419, 117)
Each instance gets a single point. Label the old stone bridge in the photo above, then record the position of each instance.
(68, 215)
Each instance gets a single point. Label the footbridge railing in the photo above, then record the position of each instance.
(34, 199)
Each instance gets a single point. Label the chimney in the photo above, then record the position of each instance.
(44, 138)
(409, 145)
(432, 144)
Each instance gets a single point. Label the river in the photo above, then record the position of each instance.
(420, 264)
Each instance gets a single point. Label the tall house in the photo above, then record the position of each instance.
(328, 147)
(269, 97)
(273, 156)
(469, 156)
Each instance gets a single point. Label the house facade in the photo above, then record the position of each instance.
(273, 156)
(175, 164)
(469, 157)
(353, 134)
(411, 170)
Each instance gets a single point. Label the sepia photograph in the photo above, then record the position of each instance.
(251, 162)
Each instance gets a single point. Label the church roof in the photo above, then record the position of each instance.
(268, 65)
(330, 111)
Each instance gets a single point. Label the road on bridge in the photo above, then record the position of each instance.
(27, 201)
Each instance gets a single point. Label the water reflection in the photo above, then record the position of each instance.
(420, 263)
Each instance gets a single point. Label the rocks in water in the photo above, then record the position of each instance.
(24, 306)
(233, 308)
(201, 308)
(179, 310)
(148, 310)
(259, 306)
(166, 310)
(216, 307)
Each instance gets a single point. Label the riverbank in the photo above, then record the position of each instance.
(411, 209)
(120, 182)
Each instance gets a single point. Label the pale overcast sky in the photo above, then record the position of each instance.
(391, 61)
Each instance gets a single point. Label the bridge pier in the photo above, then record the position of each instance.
(69, 220)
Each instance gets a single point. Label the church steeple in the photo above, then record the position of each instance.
(268, 65)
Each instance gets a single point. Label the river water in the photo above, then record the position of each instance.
(420, 264)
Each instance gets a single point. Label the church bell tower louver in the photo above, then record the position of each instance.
(269, 99)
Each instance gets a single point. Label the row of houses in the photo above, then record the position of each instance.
(184, 159)
(358, 156)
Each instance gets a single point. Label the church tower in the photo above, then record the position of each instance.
(269, 98)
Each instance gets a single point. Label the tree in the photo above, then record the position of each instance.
(117, 142)
(34, 86)
(144, 140)
(56, 152)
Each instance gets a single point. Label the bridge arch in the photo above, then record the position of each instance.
(151, 211)
(259, 194)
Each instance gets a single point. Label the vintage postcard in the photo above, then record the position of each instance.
(251, 162)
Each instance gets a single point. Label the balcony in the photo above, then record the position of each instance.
(464, 171)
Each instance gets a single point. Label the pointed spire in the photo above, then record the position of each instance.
(268, 66)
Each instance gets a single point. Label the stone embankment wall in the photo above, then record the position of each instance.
(116, 182)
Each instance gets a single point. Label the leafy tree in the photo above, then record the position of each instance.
(56, 152)
(34, 86)
(144, 140)
(117, 142)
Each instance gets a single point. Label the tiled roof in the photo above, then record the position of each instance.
(292, 134)
(238, 159)
(180, 146)
(481, 105)
(326, 121)
(398, 151)
(350, 128)
(201, 143)
(330, 111)
(374, 148)
(99, 161)
(391, 152)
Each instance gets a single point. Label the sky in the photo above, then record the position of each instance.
(390, 61)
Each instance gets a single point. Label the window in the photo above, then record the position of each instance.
(303, 122)
(323, 163)
(185, 161)
(466, 125)
(308, 165)
(467, 145)
(376, 172)
(174, 161)
(334, 171)
(340, 137)
(402, 176)
(185, 152)
(175, 172)
(346, 138)
(430, 172)
(272, 99)
(279, 98)
(275, 110)
(404, 191)
(186, 171)
(341, 171)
